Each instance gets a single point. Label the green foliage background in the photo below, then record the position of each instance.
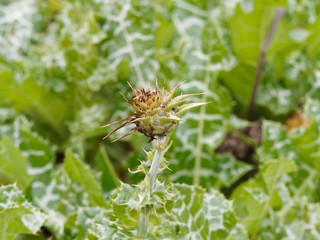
(62, 67)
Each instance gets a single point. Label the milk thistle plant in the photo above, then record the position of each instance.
(155, 113)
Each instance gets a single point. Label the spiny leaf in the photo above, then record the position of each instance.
(80, 173)
(206, 215)
(16, 214)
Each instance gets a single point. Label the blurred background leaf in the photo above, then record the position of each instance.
(63, 65)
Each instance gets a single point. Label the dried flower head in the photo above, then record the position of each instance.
(155, 112)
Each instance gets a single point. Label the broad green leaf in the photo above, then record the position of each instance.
(38, 151)
(305, 140)
(297, 191)
(88, 122)
(29, 95)
(164, 33)
(275, 100)
(102, 227)
(62, 66)
(81, 173)
(17, 16)
(56, 192)
(228, 169)
(30, 237)
(93, 223)
(312, 109)
(313, 49)
(302, 220)
(131, 44)
(13, 164)
(247, 35)
(248, 31)
(7, 116)
(225, 171)
(274, 169)
(40, 155)
(308, 216)
(203, 215)
(306, 144)
(16, 214)
(275, 143)
(59, 197)
(12, 125)
(253, 199)
(204, 54)
(109, 177)
(191, 157)
(249, 201)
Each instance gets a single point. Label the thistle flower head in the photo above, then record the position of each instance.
(155, 112)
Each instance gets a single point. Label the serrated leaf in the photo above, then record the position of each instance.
(16, 214)
(81, 173)
(85, 222)
(59, 197)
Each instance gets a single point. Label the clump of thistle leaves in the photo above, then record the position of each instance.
(155, 113)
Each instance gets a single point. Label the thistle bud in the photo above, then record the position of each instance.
(155, 112)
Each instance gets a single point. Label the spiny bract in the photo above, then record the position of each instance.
(155, 112)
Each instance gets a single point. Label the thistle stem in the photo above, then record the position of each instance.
(142, 228)
(158, 156)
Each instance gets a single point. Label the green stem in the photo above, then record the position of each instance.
(158, 156)
(142, 228)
